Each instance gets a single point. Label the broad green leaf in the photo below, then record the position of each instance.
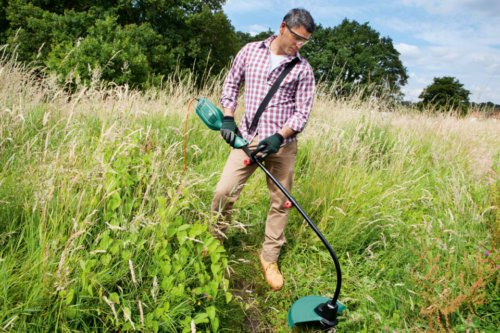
(215, 325)
(229, 296)
(220, 249)
(161, 201)
(71, 313)
(201, 318)
(212, 247)
(183, 227)
(195, 231)
(211, 312)
(126, 255)
(114, 202)
(181, 237)
(127, 326)
(171, 231)
(113, 297)
(69, 298)
(166, 268)
(215, 257)
(127, 311)
(215, 268)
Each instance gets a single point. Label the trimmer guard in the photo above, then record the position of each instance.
(302, 310)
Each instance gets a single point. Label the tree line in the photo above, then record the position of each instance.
(140, 42)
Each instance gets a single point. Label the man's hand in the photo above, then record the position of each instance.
(228, 129)
(273, 143)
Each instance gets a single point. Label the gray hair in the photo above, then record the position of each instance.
(299, 16)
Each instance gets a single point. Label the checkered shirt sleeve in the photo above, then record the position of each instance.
(234, 78)
(303, 102)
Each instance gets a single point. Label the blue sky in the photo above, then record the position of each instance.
(459, 38)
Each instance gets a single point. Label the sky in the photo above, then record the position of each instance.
(436, 38)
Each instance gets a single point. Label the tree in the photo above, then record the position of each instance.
(4, 23)
(356, 56)
(147, 38)
(445, 94)
(245, 38)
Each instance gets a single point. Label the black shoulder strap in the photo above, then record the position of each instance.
(272, 91)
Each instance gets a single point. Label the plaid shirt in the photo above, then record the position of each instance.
(290, 105)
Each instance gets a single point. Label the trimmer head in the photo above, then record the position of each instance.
(212, 117)
(307, 309)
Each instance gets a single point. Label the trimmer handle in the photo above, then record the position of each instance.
(258, 150)
(252, 155)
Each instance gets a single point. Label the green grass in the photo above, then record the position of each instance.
(93, 184)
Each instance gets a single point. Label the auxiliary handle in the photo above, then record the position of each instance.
(252, 155)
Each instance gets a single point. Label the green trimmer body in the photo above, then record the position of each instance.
(309, 308)
(212, 117)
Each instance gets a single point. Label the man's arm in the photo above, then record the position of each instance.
(231, 87)
(303, 104)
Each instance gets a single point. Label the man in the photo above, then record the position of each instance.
(259, 65)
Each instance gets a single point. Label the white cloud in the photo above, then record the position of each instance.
(436, 38)
(244, 7)
(454, 47)
(319, 9)
(422, 81)
(460, 42)
(408, 51)
(412, 94)
(487, 8)
(255, 29)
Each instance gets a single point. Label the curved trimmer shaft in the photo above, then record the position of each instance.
(327, 310)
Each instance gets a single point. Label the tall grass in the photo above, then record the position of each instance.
(100, 231)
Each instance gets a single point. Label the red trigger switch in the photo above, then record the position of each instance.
(288, 204)
(247, 161)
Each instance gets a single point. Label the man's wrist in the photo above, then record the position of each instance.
(228, 112)
(286, 132)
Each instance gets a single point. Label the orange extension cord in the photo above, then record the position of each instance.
(185, 136)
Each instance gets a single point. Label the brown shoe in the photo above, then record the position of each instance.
(272, 274)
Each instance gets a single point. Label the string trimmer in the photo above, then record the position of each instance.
(308, 308)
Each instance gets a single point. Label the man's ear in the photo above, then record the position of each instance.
(282, 27)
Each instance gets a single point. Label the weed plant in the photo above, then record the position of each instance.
(101, 231)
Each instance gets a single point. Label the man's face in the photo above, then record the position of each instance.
(293, 38)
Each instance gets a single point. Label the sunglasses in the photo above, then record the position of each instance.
(300, 41)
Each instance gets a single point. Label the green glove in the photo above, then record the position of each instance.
(273, 143)
(228, 129)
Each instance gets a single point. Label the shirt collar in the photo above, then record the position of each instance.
(267, 44)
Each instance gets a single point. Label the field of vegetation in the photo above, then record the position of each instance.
(100, 231)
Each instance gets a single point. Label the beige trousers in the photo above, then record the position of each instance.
(234, 177)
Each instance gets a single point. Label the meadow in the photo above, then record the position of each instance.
(101, 231)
